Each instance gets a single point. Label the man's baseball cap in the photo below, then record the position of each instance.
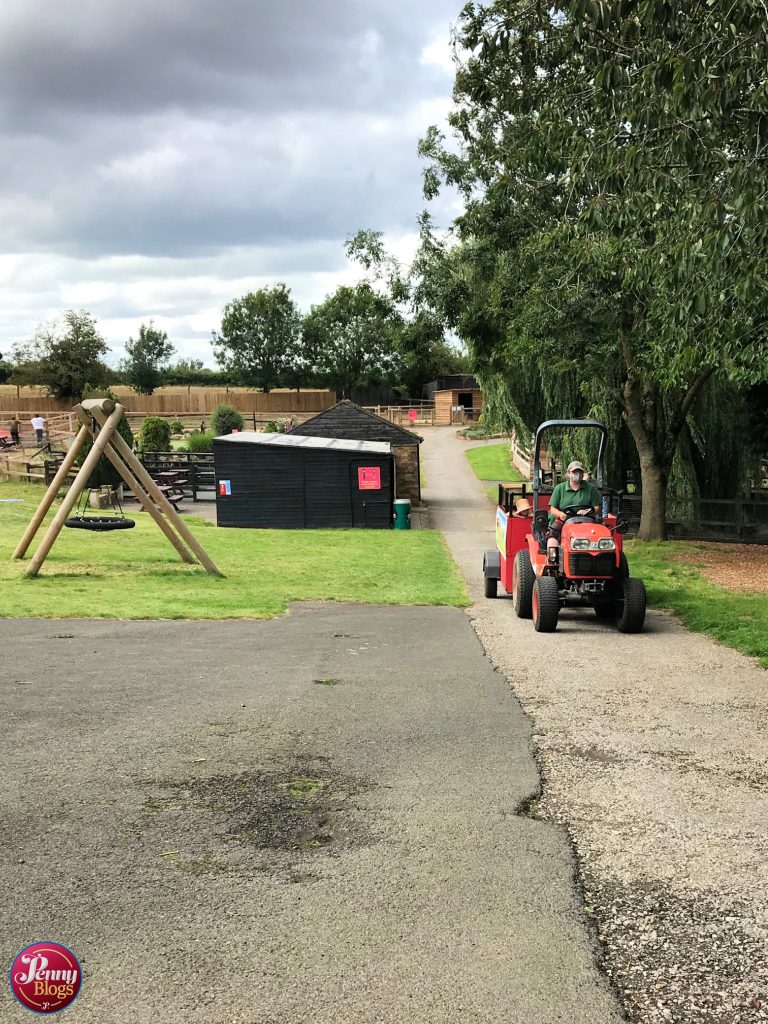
(575, 465)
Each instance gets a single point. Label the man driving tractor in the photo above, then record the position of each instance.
(573, 493)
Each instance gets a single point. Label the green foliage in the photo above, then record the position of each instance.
(147, 360)
(177, 427)
(277, 426)
(350, 339)
(192, 373)
(612, 159)
(225, 419)
(424, 354)
(63, 357)
(260, 337)
(155, 435)
(6, 370)
(265, 570)
(198, 442)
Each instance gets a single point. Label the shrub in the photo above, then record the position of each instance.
(225, 419)
(198, 443)
(155, 434)
(177, 427)
(278, 426)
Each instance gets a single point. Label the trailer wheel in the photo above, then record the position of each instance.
(491, 584)
(631, 606)
(546, 604)
(523, 578)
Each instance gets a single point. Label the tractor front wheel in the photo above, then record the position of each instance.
(631, 606)
(546, 604)
(522, 584)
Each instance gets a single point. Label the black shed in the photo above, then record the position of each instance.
(345, 419)
(287, 481)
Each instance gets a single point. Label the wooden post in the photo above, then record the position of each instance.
(160, 499)
(75, 490)
(142, 496)
(50, 494)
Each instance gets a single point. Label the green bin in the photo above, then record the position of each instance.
(402, 514)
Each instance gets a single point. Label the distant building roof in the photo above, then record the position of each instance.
(294, 440)
(347, 420)
(451, 382)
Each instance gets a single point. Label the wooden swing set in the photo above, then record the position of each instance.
(99, 418)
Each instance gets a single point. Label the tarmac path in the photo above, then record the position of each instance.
(312, 819)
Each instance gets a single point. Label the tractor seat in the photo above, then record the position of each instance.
(539, 528)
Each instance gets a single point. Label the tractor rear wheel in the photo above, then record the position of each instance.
(491, 584)
(546, 604)
(631, 606)
(523, 577)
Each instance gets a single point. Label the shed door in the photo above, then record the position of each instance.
(371, 483)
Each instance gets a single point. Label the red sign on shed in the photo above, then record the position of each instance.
(369, 478)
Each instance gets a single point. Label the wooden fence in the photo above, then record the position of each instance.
(173, 401)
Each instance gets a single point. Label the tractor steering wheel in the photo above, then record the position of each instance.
(572, 512)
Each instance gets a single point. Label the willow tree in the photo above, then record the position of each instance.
(614, 153)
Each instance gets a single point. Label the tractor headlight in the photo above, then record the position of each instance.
(606, 544)
(580, 544)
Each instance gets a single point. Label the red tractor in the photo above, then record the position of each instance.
(588, 567)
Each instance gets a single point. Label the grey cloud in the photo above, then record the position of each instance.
(200, 55)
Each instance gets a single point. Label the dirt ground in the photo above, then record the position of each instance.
(731, 566)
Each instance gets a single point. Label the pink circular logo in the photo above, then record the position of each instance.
(46, 977)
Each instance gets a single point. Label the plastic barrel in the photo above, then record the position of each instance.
(402, 514)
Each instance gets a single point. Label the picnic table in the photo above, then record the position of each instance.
(171, 483)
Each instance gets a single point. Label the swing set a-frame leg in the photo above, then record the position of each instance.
(50, 494)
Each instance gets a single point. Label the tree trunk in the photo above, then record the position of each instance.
(653, 520)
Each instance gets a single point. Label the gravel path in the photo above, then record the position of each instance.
(654, 756)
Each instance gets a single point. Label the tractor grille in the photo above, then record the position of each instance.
(583, 564)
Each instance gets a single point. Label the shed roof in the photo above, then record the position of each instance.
(345, 419)
(294, 440)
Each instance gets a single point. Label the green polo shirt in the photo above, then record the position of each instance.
(563, 497)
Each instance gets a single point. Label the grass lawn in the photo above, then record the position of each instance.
(492, 462)
(738, 619)
(135, 574)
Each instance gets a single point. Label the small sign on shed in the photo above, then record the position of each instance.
(369, 478)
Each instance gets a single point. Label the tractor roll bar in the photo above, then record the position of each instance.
(554, 424)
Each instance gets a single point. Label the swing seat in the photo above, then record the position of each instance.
(99, 524)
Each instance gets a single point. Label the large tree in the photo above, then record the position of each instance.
(147, 359)
(260, 337)
(613, 158)
(350, 339)
(63, 357)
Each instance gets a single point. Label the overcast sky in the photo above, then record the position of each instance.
(160, 159)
